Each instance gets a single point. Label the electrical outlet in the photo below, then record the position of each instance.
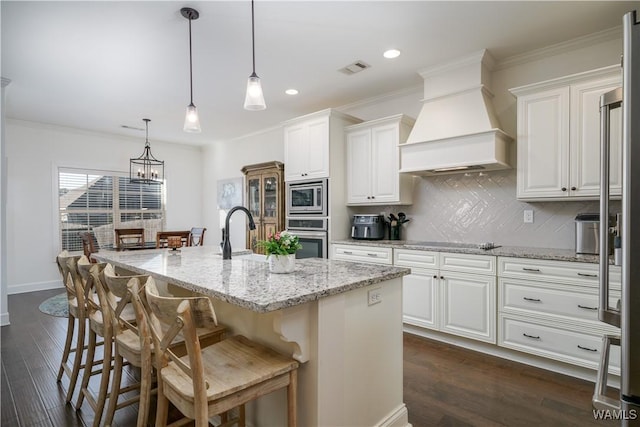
(528, 216)
(374, 296)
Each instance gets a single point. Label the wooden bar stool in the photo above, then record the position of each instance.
(132, 342)
(212, 380)
(100, 325)
(67, 265)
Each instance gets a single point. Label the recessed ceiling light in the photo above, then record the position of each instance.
(391, 53)
(291, 91)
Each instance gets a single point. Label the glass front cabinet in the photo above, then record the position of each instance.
(265, 197)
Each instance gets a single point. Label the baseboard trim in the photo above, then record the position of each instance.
(515, 356)
(397, 418)
(4, 319)
(33, 287)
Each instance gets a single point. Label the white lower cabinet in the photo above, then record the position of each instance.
(443, 293)
(358, 253)
(540, 307)
(550, 309)
(564, 342)
(468, 305)
(420, 296)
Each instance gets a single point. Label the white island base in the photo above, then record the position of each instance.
(350, 352)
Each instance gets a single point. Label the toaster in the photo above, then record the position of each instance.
(368, 227)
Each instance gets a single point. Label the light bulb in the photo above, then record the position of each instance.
(191, 120)
(254, 99)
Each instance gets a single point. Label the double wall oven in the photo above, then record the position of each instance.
(307, 216)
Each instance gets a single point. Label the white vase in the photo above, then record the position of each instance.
(282, 263)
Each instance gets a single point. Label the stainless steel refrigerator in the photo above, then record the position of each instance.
(626, 313)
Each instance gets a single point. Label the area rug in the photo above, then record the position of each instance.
(55, 306)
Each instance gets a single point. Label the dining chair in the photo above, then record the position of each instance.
(128, 238)
(67, 265)
(162, 238)
(89, 245)
(211, 380)
(196, 237)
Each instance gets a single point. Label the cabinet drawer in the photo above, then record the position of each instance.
(537, 298)
(577, 273)
(369, 254)
(414, 258)
(466, 263)
(565, 344)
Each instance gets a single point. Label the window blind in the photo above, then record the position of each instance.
(99, 201)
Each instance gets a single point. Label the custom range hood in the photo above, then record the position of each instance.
(457, 129)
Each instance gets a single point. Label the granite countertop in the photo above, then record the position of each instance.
(505, 251)
(245, 280)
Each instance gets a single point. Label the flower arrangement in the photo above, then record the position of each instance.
(281, 243)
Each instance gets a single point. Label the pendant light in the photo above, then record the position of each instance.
(191, 120)
(146, 169)
(254, 99)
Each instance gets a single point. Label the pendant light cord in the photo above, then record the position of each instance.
(190, 64)
(253, 40)
(146, 137)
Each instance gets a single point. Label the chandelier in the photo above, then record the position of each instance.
(146, 169)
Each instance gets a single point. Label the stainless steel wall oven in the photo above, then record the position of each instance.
(312, 233)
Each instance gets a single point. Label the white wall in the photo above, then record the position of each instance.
(4, 309)
(34, 153)
(484, 208)
(224, 161)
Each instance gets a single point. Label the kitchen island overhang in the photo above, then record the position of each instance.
(322, 314)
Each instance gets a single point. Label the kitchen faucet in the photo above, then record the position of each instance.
(226, 243)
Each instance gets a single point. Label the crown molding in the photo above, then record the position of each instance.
(380, 98)
(559, 48)
(87, 132)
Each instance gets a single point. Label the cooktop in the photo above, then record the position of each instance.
(485, 246)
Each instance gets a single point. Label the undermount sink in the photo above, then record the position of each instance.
(486, 246)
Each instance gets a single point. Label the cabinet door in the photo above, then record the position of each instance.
(296, 146)
(254, 195)
(420, 298)
(270, 197)
(468, 306)
(385, 159)
(254, 204)
(543, 144)
(317, 149)
(585, 139)
(359, 167)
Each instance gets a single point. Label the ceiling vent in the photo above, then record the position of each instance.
(356, 67)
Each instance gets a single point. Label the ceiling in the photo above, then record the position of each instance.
(100, 65)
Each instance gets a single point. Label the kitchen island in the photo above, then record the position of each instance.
(342, 321)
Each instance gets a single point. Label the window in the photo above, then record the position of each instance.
(98, 202)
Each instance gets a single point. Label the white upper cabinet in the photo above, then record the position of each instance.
(373, 162)
(306, 152)
(559, 137)
(308, 141)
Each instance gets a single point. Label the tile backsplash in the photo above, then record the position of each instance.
(483, 207)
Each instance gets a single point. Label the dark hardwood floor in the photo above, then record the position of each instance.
(444, 385)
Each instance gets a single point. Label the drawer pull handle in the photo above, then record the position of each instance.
(587, 275)
(348, 253)
(587, 308)
(375, 255)
(532, 299)
(533, 337)
(531, 269)
(587, 348)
